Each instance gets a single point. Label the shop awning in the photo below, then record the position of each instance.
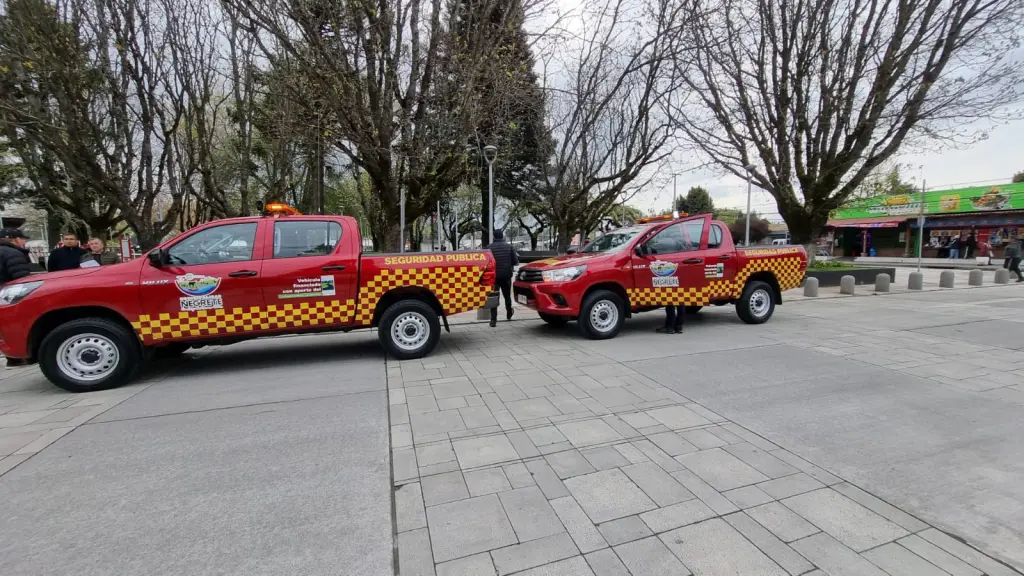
(878, 222)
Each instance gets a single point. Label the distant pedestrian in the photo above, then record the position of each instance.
(505, 259)
(14, 261)
(954, 248)
(1013, 255)
(99, 253)
(673, 320)
(968, 246)
(66, 257)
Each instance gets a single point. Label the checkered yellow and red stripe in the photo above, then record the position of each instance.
(457, 288)
(787, 272)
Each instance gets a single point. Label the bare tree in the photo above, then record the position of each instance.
(817, 93)
(610, 114)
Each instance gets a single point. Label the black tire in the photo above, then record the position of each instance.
(554, 320)
(415, 314)
(757, 304)
(170, 351)
(109, 342)
(599, 300)
(693, 310)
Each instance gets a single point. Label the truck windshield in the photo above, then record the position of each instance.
(614, 241)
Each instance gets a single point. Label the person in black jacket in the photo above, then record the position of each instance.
(14, 261)
(505, 259)
(68, 256)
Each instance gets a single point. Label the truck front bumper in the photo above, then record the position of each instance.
(552, 298)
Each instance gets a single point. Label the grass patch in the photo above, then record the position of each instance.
(833, 265)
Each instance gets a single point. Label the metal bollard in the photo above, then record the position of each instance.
(916, 281)
(946, 279)
(882, 282)
(976, 278)
(811, 287)
(1002, 276)
(846, 285)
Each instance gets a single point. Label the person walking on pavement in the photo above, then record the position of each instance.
(99, 253)
(1013, 255)
(673, 320)
(14, 261)
(969, 245)
(505, 259)
(954, 248)
(66, 257)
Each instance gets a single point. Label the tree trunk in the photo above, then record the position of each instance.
(563, 237)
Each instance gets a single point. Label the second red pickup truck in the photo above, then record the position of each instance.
(232, 280)
(688, 261)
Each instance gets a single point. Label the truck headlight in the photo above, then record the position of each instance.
(12, 293)
(563, 274)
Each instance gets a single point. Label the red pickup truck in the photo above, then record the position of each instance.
(688, 261)
(232, 280)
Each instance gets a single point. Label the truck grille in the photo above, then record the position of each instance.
(530, 275)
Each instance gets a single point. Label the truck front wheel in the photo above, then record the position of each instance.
(757, 303)
(89, 354)
(409, 329)
(602, 315)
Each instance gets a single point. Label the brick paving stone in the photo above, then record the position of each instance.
(522, 444)
(760, 460)
(414, 555)
(966, 553)
(608, 495)
(804, 466)
(575, 566)
(530, 514)
(606, 563)
(442, 488)
(638, 420)
(765, 541)
(615, 397)
(702, 439)
(721, 470)
(835, 559)
(657, 483)
(452, 403)
(631, 453)
(672, 443)
(782, 522)
(677, 417)
(477, 417)
(545, 435)
(898, 561)
(714, 548)
(569, 463)
(435, 422)
(546, 479)
(787, 486)
(676, 515)
(588, 432)
(604, 457)
(620, 426)
(583, 532)
(650, 557)
(531, 408)
(657, 455)
(845, 520)
(883, 509)
(484, 451)
(409, 512)
(518, 475)
(486, 481)
(938, 556)
(567, 404)
(534, 553)
(747, 497)
(403, 462)
(624, 530)
(468, 527)
(478, 565)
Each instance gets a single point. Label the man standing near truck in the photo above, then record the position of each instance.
(1012, 263)
(506, 260)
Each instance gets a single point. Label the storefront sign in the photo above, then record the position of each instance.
(979, 199)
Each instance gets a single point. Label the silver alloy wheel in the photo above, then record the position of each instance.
(410, 330)
(604, 316)
(88, 357)
(760, 302)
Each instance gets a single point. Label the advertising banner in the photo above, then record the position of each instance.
(979, 199)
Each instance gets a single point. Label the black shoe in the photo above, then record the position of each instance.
(678, 330)
(509, 313)
(664, 330)
(494, 323)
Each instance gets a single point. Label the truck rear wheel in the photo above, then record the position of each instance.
(554, 319)
(757, 303)
(602, 315)
(409, 329)
(89, 354)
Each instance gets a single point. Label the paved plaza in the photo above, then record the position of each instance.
(855, 435)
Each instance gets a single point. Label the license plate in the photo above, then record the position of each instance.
(522, 299)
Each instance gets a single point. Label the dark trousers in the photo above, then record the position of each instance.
(506, 292)
(674, 316)
(1013, 265)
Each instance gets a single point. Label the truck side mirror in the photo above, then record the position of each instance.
(640, 250)
(158, 258)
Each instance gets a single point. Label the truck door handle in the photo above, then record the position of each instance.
(693, 261)
(333, 267)
(725, 256)
(243, 274)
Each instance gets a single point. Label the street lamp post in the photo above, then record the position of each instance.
(490, 154)
(746, 237)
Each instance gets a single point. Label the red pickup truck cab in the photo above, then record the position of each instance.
(688, 261)
(232, 280)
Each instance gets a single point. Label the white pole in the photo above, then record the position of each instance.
(437, 227)
(455, 217)
(920, 226)
(401, 231)
(675, 195)
(746, 236)
(490, 202)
